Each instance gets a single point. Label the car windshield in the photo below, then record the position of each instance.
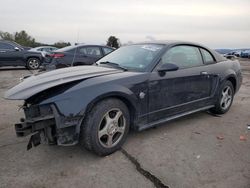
(17, 45)
(134, 57)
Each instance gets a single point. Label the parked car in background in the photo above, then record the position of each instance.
(45, 51)
(237, 53)
(13, 54)
(245, 54)
(135, 87)
(230, 56)
(77, 55)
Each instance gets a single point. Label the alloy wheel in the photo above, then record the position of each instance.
(34, 63)
(111, 128)
(226, 98)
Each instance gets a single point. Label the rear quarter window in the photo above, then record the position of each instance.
(207, 56)
(107, 50)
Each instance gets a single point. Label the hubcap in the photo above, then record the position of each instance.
(111, 128)
(34, 64)
(226, 97)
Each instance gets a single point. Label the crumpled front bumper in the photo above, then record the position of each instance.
(45, 124)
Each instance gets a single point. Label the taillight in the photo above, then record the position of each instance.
(57, 55)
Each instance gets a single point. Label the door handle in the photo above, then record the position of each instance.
(2, 51)
(204, 73)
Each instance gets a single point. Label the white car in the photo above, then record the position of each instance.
(44, 49)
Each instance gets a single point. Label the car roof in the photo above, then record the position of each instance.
(81, 45)
(170, 42)
(43, 47)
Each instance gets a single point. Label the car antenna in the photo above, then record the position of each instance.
(77, 42)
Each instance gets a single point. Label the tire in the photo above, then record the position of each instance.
(33, 63)
(224, 99)
(106, 126)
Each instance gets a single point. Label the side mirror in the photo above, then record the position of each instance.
(167, 67)
(17, 49)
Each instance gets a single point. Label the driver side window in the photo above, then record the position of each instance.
(183, 56)
(4, 46)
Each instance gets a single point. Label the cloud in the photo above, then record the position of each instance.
(150, 38)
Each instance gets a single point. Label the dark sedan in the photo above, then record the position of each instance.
(77, 55)
(135, 87)
(13, 54)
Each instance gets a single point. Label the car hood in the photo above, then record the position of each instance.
(37, 83)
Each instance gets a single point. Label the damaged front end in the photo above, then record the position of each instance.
(45, 124)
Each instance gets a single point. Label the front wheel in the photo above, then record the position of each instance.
(33, 63)
(106, 127)
(225, 98)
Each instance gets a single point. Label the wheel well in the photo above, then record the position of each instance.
(131, 108)
(33, 57)
(233, 81)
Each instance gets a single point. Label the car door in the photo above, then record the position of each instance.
(189, 88)
(9, 56)
(87, 55)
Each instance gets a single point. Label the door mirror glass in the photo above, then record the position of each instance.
(166, 67)
(17, 49)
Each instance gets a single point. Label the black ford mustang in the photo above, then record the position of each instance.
(137, 86)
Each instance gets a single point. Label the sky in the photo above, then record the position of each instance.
(214, 23)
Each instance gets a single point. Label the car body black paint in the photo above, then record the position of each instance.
(16, 57)
(150, 96)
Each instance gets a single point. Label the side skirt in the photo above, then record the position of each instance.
(152, 124)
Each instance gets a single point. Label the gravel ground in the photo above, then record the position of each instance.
(199, 150)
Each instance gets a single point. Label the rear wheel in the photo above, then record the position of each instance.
(33, 63)
(225, 98)
(106, 127)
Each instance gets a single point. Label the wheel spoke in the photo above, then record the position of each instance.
(120, 129)
(117, 116)
(108, 119)
(227, 91)
(224, 93)
(104, 131)
(110, 140)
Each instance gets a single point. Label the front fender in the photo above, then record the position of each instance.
(76, 102)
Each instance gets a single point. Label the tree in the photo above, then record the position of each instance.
(24, 39)
(113, 42)
(61, 44)
(6, 36)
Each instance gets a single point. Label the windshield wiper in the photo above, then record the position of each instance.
(114, 65)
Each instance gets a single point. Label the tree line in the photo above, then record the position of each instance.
(24, 39)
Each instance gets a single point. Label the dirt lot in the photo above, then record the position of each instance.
(184, 153)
